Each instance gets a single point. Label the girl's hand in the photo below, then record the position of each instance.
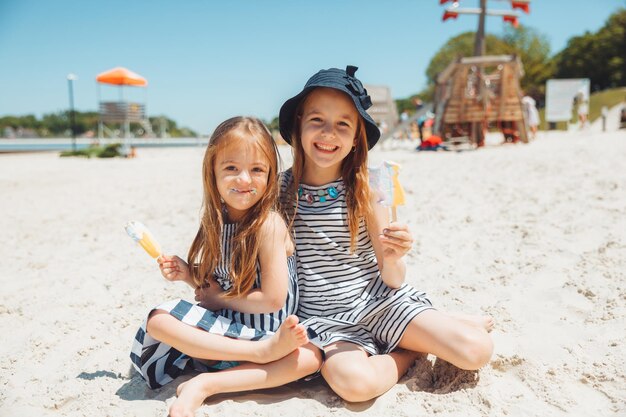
(396, 240)
(209, 296)
(174, 268)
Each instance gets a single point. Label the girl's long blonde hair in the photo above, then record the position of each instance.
(353, 171)
(206, 250)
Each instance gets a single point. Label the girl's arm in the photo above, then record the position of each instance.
(275, 244)
(391, 242)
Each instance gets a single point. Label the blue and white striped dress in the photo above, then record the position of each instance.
(342, 296)
(159, 363)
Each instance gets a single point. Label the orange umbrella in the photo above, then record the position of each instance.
(121, 76)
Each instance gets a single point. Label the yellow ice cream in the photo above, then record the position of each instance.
(399, 199)
(150, 245)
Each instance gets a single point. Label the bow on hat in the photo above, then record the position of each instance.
(355, 86)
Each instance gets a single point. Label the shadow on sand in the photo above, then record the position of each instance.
(438, 378)
(135, 389)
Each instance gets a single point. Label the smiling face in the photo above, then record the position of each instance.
(328, 126)
(241, 174)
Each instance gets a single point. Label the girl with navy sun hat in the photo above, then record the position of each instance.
(352, 295)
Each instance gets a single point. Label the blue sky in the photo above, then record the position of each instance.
(208, 60)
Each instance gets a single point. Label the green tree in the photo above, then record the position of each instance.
(273, 125)
(598, 56)
(533, 49)
(172, 128)
(531, 46)
(58, 124)
(459, 46)
(462, 46)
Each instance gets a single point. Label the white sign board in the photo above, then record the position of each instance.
(560, 96)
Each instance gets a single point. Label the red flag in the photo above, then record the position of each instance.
(511, 19)
(444, 1)
(449, 15)
(521, 5)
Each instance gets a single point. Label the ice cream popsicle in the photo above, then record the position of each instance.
(399, 199)
(385, 184)
(140, 234)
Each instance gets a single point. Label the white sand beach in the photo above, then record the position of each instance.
(533, 234)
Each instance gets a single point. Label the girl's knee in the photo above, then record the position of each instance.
(156, 320)
(310, 359)
(354, 382)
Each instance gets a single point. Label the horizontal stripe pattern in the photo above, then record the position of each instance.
(342, 295)
(159, 363)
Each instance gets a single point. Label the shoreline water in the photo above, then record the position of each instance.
(65, 144)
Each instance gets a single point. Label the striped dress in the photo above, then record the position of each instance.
(342, 296)
(159, 363)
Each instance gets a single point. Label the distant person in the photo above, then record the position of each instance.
(425, 120)
(605, 114)
(583, 111)
(418, 103)
(420, 126)
(404, 116)
(532, 115)
(433, 143)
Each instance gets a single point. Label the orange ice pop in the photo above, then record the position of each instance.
(140, 234)
(399, 198)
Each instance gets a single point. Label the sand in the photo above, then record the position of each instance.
(533, 234)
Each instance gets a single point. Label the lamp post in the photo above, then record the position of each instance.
(70, 85)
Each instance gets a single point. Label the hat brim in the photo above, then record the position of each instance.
(287, 114)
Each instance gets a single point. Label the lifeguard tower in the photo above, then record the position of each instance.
(475, 93)
(121, 112)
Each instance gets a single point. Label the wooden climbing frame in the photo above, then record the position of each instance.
(474, 93)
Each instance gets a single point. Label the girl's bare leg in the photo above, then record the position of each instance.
(298, 364)
(464, 345)
(200, 344)
(355, 376)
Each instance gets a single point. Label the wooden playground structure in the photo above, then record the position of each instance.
(474, 94)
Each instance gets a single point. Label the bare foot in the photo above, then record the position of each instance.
(485, 322)
(191, 395)
(289, 337)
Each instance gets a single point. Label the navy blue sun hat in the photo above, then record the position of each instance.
(339, 80)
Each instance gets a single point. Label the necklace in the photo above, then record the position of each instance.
(321, 195)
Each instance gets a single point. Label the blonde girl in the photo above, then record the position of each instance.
(242, 254)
